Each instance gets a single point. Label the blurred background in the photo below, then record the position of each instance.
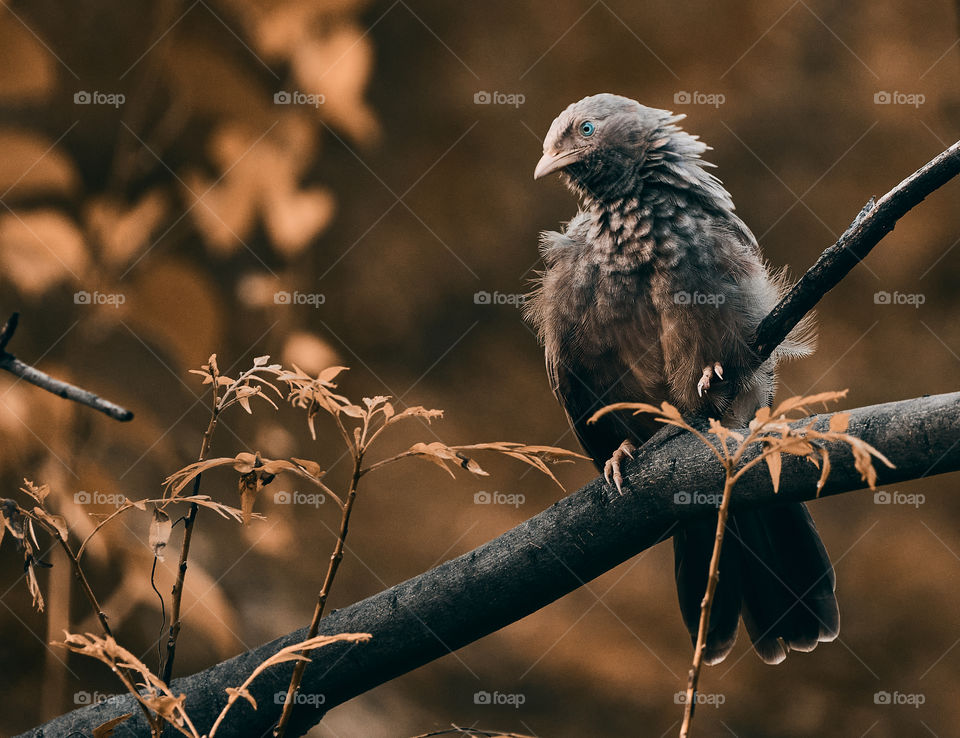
(342, 182)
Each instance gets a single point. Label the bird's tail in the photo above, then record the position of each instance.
(773, 568)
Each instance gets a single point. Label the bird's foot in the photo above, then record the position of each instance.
(612, 467)
(709, 372)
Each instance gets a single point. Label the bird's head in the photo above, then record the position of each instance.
(603, 142)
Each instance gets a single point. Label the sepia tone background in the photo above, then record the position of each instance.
(179, 196)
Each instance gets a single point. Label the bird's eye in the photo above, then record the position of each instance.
(587, 128)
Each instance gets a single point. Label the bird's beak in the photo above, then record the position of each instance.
(553, 161)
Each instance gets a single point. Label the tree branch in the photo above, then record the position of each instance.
(558, 550)
(10, 363)
(874, 222)
(534, 564)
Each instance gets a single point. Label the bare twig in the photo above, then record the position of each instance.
(189, 521)
(61, 539)
(332, 567)
(10, 363)
(874, 221)
(706, 606)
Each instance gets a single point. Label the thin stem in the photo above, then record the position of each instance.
(95, 605)
(153, 721)
(188, 524)
(706, 605)
(77, 570)
(384, 462)
(111, 516)
(377, 432)
(332, 567)
(84, 584)
(343, 432)
(123, 508)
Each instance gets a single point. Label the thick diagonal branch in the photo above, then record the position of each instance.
(530, 566)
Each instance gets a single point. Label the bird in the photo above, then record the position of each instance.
(652, 293)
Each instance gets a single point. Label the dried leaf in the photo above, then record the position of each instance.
(105, 730)
(794, 445)
(839, 422)
(284, 655)
(180, 479)
(773, 464)
(152, 692)
(160, 529)
(33, 586)
(312, 468)
(636, 407)
(801, 404)
(38, 493)
(414, 412)
(760, 418)
(249, 485)
(824, 469)
(440, 454)
(57, 522)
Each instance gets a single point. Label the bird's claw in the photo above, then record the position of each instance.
(612, 467)
(708, 373)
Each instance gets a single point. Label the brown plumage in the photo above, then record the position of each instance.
(652, 292)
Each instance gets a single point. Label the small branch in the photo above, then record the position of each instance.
(707, 604)
(74, 563)
(188, 526)
(332, 567)
(869, 227)
(84, 584)
(12, 364)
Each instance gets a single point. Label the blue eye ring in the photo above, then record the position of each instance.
(587, 128)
